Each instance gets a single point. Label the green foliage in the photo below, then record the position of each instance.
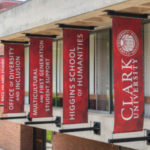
(49, 135)
(57, 101)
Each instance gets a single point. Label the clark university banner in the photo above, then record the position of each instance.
(75, 77)
(40, 77)
(128, 74)
(2, 80)
(14, 78)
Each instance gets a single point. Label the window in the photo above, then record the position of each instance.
(146, 68)
(26, 53)
(99, 71)
(57, 72)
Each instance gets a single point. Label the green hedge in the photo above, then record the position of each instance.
(49, 135)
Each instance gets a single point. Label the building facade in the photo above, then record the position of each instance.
(43, 17)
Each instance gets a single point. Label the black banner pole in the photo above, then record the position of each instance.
(132, 139)
(14, 117)
(76, 27)
(40, 35)
(126, 14)
(96, 129)
(28, 117)
(15, 42)
(57, 121)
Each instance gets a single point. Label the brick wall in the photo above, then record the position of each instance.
(26, 138)
(15, 136)
(9, 135)
(66, 142)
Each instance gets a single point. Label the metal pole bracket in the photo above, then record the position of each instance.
(148, 134)
(13, 117)
(57, 121)
(96, 129)
(132, 139)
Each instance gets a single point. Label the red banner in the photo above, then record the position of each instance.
(14, 78)
(2, 80)
(40, 77)
(128, 74)
(76, 76)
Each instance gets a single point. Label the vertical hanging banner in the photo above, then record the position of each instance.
(2, 80)
(128, 74)
(75, 76)
(40, 77)
(14, 78)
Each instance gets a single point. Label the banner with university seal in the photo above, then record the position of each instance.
(128, 74)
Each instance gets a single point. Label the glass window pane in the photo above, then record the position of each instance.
(92, 64)
(146, 68)
(92, 96)
(57, 73)
(102, 70)
(60, 68)
(26, 53)
(54, 58)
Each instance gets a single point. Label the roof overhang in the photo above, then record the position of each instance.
(27, 18)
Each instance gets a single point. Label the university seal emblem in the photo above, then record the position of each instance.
(127, 43)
